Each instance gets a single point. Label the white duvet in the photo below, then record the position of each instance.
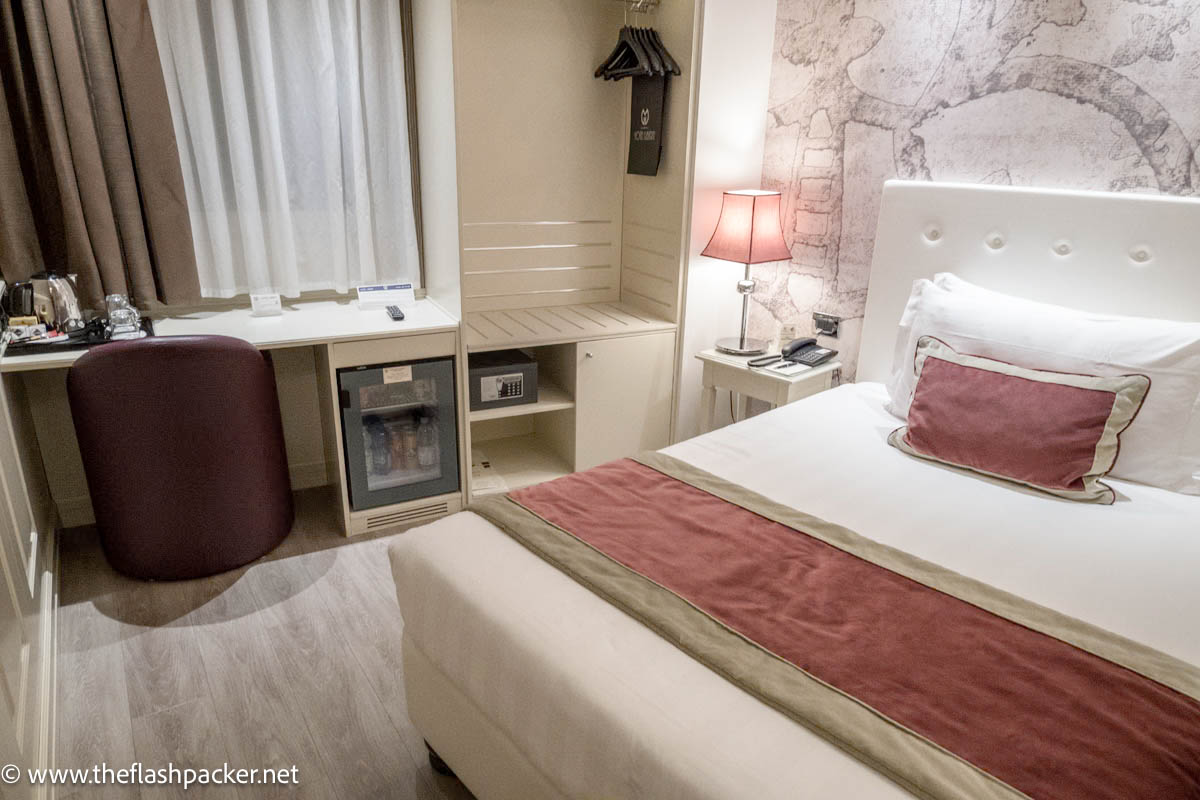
(605, 708)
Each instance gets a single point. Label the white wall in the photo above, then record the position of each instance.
(433, 52)
(735, 73)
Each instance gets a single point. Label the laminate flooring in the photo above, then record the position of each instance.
(294, 659)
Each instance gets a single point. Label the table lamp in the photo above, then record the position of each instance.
(748, 232)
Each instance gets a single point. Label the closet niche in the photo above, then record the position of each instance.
(561, 251)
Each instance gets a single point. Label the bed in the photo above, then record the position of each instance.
(529, 685)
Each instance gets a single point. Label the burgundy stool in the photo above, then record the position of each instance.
(183, 450)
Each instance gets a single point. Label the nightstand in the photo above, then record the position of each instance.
(725, 371)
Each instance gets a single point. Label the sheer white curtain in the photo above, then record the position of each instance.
(293, 134)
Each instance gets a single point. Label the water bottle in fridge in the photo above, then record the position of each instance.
(379, 456)
(427, 443)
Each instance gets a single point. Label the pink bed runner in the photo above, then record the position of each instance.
(1030, 713)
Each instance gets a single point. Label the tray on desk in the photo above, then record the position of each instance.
(67, 342)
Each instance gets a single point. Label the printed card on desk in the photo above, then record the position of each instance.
(265, 305)
(383, 295)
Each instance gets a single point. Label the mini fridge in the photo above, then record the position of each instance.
(399, 431)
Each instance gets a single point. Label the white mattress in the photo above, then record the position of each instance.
(605, 708)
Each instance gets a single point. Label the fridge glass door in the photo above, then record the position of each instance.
(400, 433)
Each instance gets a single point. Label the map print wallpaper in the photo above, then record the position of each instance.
(1090, 94)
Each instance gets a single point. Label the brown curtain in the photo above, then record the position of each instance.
(90, 181)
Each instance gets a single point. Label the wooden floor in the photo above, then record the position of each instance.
(292, 660)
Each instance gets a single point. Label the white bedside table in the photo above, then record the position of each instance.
(725, 371)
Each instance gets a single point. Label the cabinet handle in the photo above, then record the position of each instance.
(588, 355)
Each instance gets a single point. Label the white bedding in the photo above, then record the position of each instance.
(605, 708)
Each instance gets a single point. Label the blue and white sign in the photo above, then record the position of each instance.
(383, 295)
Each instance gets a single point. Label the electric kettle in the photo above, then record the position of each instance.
(51, 298)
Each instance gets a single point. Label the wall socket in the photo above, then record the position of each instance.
(787, 333)
(826, 324)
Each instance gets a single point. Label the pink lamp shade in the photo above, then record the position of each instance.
(748, 231)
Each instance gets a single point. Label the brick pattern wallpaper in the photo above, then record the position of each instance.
(1093, 94)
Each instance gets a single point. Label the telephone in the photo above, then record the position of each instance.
(807, 352)
(798, 351)
(802, 352)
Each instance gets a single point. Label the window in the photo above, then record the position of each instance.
(293, 135)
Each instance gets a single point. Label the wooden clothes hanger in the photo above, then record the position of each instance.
(672, 67)
(639, 51)
(656, 61)
(628, 58)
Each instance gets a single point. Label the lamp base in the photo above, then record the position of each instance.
(738, 346)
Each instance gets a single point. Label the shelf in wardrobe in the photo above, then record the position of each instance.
(541, 325)
(550, 398)
(523, 461)
(396, 408)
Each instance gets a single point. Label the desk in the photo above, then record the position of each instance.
(733, 373)
(307, 340)
(300, 324)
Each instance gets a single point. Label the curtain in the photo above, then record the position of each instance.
(90, 181)
(293, 134)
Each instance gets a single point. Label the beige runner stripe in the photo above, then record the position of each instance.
(1146, 661)
(924, 768)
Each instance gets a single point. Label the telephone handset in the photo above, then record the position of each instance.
(807, 352)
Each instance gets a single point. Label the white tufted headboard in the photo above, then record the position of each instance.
(1133, 254)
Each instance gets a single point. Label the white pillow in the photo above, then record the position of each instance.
(1161, 446)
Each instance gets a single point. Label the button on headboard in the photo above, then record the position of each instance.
(1133, 254)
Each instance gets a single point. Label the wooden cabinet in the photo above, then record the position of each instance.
(26, 593)
(15, 505)
(560, 250)
(598, 400)
(17, 637)
(623, 396)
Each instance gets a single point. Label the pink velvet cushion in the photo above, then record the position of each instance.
(1050, 430)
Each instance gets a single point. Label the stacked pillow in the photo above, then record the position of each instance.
(1160, 443)
(1053, 431)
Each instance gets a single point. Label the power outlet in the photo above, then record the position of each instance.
(788, 332)
(826, 324)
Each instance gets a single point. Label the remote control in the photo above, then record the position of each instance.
(395, 313)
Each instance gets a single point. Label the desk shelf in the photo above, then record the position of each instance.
(302, 323)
